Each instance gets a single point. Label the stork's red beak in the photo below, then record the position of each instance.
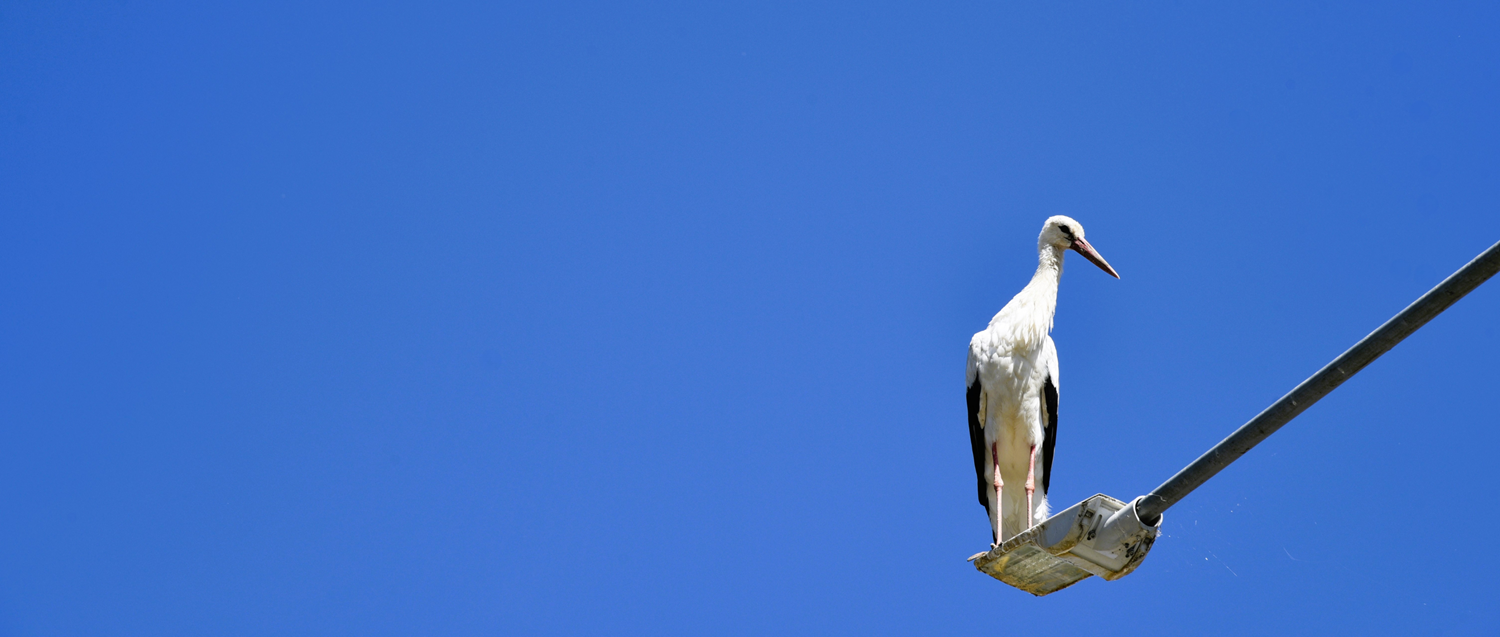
(1082, 247)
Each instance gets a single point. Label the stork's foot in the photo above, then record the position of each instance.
(1030, 487)
(997, 511)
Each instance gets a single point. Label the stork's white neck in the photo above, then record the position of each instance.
(1028, 316)
(1043, 285)
(1048, 268)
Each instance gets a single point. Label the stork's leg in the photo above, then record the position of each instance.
(997, 517)
(1030, 485)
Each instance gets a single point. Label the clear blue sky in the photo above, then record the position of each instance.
(587, 319)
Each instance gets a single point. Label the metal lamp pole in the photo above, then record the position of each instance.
(1318, 385)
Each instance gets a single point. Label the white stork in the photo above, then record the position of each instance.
(1012, 379)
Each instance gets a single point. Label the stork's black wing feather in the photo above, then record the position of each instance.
(1049, 437)
(976, 438)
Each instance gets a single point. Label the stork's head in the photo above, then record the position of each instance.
(1066, 234)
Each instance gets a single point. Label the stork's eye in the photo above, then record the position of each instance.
(1066, 230)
